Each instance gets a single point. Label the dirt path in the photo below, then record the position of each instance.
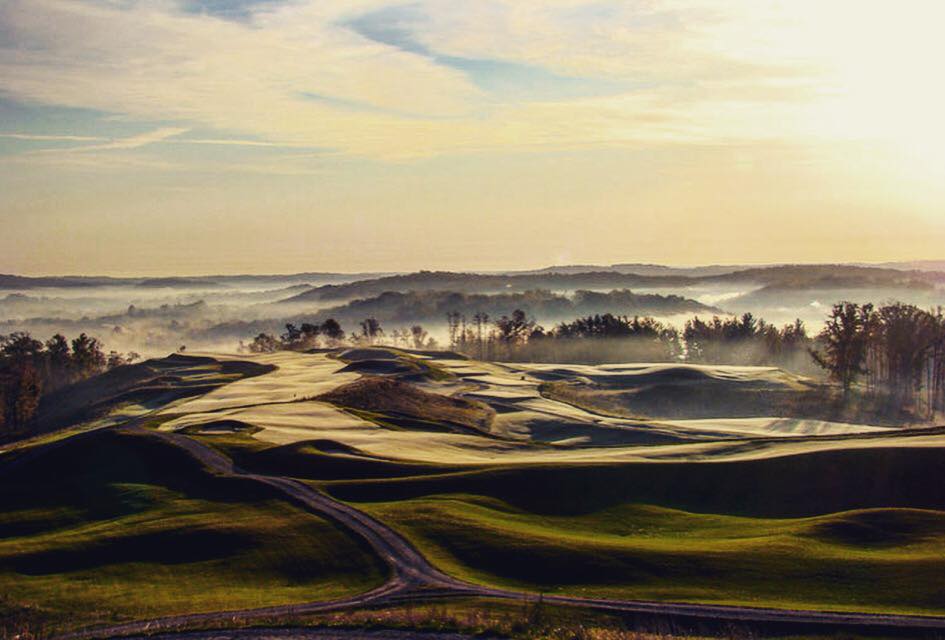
(305, 634)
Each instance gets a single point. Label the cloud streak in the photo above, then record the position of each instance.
(133, 142)
(35, 137)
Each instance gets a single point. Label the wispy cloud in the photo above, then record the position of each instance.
(236, 142)
(49, 137)
(133, 142)
(398, 81)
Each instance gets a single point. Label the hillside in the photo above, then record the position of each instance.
(798, 276)
(432, 306)
(293, 478)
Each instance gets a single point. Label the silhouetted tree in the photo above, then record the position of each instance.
(845, 341)
(88, 359)
(371, 330)
(332, 332)
(30, 369)
(419, 336)
(264, 343)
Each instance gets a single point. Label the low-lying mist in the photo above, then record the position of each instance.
(205, 314)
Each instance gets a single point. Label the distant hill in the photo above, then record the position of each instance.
(178, 283)
(483, 283)
(432, 306)
(11, 281)
(831, 276)
(8, 281)
(916, 265)
(786, 276)
(640, 269)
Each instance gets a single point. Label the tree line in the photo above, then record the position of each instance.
(30, 369)
(610, 338)
(330, 334)
(894, 352)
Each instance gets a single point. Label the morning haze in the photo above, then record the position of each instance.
(438, 320)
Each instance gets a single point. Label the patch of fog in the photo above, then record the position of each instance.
(716, 298)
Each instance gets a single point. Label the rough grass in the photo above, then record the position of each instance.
(531, 620)
(399, 400)
(118, 527)
(648, 552)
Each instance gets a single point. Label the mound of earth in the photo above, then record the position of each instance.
(393, 397)
(880, 527)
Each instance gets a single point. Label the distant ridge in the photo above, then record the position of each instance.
(823, 276)
(645, 269)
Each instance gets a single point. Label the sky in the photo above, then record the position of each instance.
(263, 136)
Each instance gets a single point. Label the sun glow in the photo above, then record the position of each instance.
(885, 61)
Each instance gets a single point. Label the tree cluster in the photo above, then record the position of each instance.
(747, 341)
(896, 350)
(30, 369)
(330, 334)
(615, 338)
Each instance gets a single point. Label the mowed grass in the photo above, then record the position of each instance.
(860, 530)
(876, 560)
(119, 526)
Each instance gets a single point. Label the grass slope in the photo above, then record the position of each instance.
(649, 552)
(789, 486)
(118, 526)
(815, 531)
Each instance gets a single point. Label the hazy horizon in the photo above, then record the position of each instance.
(144, 273)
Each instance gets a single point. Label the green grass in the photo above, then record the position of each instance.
(860, 529)
(789, 486)
(120, 527)
(886, 560)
